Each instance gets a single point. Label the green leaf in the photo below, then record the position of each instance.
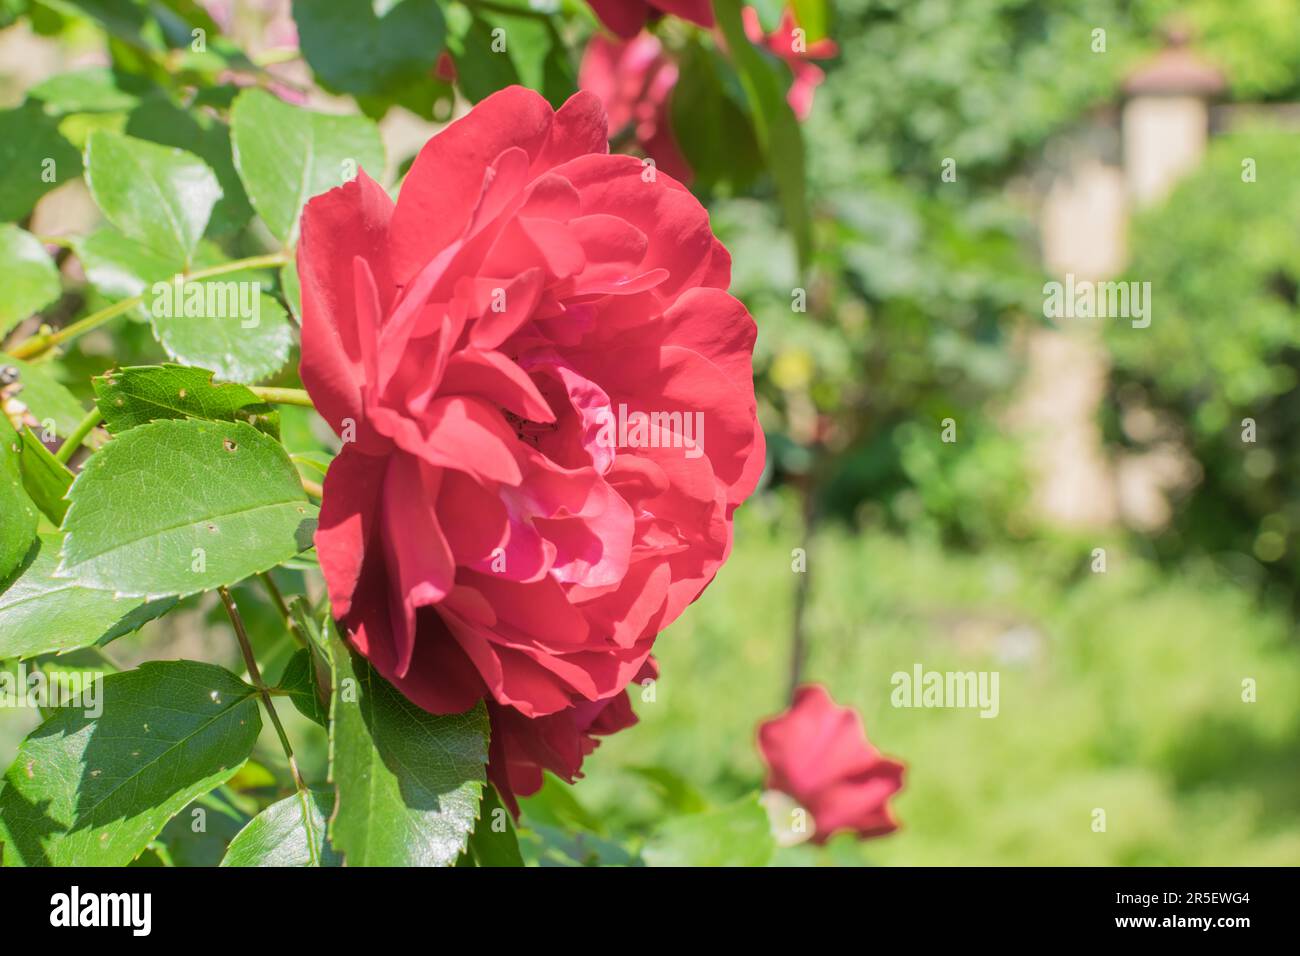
(120, 268)
(813, 16)
(95, 89)
(226, 324)
(494, 842)
(156, 195)
(371, 49)
(40, 613)
(291, 288)
(181, 506)
(28, 279)
(480, 72)
(288, 833)
(45, 477)
(286, 155)
(778, 130)
(408, 782)
(18, 529)
(34, 158)
(200, 132)
(44, 396)
(299, 682)
(94, 791)
(710, 126)
(135, 395)
(312, 630)
(738, 834)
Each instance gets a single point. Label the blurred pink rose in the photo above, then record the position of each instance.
(818, 753)
(796, 52)
(634, 80)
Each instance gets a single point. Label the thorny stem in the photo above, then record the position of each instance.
(255, 675)
(42, 342)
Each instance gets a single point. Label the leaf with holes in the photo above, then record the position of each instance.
(95, 790)
(136, 395)
(180, 506)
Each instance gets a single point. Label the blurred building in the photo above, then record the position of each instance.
(1123, 158)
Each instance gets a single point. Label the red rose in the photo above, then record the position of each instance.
(819, 754)
(634, 81)
(490, 527)
(627, 17)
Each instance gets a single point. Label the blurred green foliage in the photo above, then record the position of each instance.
(1120, 691)
(1222, 255)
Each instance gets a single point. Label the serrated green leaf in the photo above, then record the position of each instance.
(237, 331)
(135, 395)
(18, 529)
(157, 195)
(45, 477)
(28, 279)
(180, 506)
(738, 834)
(40, 613)
(94, 791)
(34, 158)
(290, 832)
(286, 155)
(494, 842)
(409, 782)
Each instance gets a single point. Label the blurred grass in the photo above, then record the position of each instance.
(1120, 691)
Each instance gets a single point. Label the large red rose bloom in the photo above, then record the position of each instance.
(487, 530)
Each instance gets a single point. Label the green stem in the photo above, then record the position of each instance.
(246, 648)
(282, 396)
(278, 600)
(73, 441)
(41, 343)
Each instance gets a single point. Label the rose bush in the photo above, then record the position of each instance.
(472, 344)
